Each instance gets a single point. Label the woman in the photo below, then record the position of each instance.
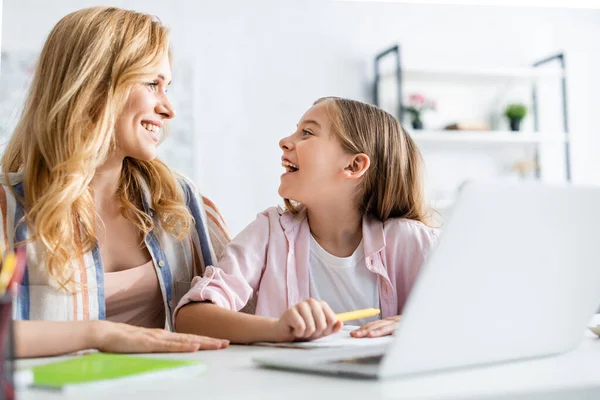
(111, 233)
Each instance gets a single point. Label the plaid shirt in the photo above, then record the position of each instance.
(176, 262)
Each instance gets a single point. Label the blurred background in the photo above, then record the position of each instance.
(461, 78)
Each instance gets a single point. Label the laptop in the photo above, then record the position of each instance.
(515, 275)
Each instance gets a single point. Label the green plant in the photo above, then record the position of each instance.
(515, 111)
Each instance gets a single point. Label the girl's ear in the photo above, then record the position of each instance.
(357, 166)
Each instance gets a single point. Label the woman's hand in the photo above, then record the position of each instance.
(112, 337)
(378, 328)
(307, 320)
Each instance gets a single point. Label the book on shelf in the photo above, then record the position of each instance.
(467, 126)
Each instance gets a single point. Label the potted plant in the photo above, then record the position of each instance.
(417, 103)
(515, 113)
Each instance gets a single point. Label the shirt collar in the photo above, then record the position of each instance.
(146, 198)
(373, 233)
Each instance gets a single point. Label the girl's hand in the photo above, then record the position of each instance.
(383, 327)
(112, 337)
(307, 320)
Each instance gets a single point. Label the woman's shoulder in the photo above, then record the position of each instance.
(10, 184)
(185, 183)
(11, 179)
(192, 193)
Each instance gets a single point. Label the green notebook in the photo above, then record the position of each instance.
(98, 370)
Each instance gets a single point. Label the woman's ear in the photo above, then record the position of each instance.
(357, 166)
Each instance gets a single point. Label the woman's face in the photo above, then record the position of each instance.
(139, 127)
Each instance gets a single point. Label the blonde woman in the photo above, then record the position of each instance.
(113, 237)
(354, 235)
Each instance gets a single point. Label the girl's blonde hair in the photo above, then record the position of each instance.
(90, 62)
(392, 187)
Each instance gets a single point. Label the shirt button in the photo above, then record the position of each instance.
(161, 263)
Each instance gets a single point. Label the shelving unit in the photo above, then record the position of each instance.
(490, 137)
(531, 75)
(525, 73)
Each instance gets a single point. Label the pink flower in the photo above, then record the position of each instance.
(417, 99)
(418, 103)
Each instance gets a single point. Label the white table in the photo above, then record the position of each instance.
(232, 375)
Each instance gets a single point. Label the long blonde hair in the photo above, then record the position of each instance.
(392, 187)
(90, 62)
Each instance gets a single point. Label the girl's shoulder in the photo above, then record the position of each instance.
(404, 228)
(276, 220)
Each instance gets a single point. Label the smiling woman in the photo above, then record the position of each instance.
(111, 232)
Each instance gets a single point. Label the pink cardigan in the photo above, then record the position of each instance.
(270, 258)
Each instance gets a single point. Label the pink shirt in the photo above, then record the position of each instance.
(270, 258)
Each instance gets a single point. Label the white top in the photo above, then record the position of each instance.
(344, 283)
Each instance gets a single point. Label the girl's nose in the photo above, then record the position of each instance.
(286, 143)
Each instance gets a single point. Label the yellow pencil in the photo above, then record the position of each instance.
(358, 314)
(8, 268)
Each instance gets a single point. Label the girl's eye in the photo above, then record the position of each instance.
(305, 132)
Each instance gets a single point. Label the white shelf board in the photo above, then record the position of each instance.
(470, 72)
(509, 137)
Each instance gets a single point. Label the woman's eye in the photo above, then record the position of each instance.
(152, 85)
(306, 133)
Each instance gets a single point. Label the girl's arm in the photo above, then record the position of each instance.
(307, 320)
(237, 276)
(209, 319)
(50, 338)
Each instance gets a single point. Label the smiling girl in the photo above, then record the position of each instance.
(354, 235)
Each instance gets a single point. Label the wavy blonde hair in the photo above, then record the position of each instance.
(90, 62)
(392, 187)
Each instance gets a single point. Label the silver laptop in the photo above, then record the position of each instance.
(515, 275)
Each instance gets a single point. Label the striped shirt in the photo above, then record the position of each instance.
(176, 262)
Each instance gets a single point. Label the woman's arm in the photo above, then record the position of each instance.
(307, 320)
(50, 338)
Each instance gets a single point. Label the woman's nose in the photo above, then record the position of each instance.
(166, 109)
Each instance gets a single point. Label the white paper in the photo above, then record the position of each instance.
(339, 339)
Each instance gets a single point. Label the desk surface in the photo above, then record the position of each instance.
(232, 375)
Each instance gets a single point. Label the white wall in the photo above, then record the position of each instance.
(1, 27)
(260, 64)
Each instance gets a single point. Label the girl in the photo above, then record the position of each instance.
(353, 235)
(113, 236)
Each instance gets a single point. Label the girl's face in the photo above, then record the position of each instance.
(139, 126)
(314, 160)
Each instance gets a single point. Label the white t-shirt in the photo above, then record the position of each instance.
(344, 283)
